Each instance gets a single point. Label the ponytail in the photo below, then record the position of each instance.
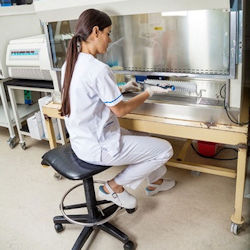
(87, 20)
(71, 58)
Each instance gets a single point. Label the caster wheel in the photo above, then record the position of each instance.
(130, 211)
(59, 228)
(11, 145)
(235, 228)
(12, 142)
(58, 176)
(129, 245)
(23, 145)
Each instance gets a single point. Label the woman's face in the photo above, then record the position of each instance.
(103, 40)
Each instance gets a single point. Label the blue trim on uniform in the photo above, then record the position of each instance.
(114, 99)
(101, 188)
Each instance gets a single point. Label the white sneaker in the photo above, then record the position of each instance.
(166, 185)
(123, 199)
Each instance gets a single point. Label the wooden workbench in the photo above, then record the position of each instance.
(191, 130)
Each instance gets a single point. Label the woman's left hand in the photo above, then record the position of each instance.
(130, 86)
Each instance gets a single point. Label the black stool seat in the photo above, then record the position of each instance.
(66, 163)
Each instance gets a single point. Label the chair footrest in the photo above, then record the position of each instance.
(81, 205)
(85, 218)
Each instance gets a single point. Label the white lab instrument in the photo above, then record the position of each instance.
(27, 58)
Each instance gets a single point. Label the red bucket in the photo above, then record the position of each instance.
(207, 148)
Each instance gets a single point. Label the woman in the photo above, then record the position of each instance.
(91, 103)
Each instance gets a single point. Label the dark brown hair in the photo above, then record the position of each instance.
(87, 20)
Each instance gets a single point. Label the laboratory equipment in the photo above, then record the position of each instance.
(14, 24)
(27, 58)
(205, 70)
(28, 61)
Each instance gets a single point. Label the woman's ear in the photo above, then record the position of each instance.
(95, 31)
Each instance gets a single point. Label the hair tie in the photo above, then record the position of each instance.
(78, 44)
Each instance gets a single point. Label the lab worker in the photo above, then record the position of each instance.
(91, 103)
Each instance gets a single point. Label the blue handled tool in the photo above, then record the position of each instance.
(172, 87)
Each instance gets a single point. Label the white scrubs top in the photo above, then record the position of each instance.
(91, 125)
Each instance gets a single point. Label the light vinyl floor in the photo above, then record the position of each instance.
(195, 215)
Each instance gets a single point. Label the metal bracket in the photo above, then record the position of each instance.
(242, 146)
(210, 124)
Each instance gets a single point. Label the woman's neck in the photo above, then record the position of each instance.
(88, 50)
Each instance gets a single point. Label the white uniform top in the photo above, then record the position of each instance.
(91, 125)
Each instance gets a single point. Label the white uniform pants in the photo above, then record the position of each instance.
(145, 156)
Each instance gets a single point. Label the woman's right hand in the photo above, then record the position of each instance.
(155, 90)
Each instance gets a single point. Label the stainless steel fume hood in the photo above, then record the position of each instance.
(200, 51)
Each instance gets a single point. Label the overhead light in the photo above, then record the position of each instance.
(174, 13)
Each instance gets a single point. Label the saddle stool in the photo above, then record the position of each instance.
(66, 163)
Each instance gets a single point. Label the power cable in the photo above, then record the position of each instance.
(230, 116)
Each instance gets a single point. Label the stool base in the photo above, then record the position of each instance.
(95, 218)
(86, 231)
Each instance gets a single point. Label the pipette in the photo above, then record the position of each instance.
(172, 87)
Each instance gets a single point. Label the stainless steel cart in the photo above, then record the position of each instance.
(32, 85)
